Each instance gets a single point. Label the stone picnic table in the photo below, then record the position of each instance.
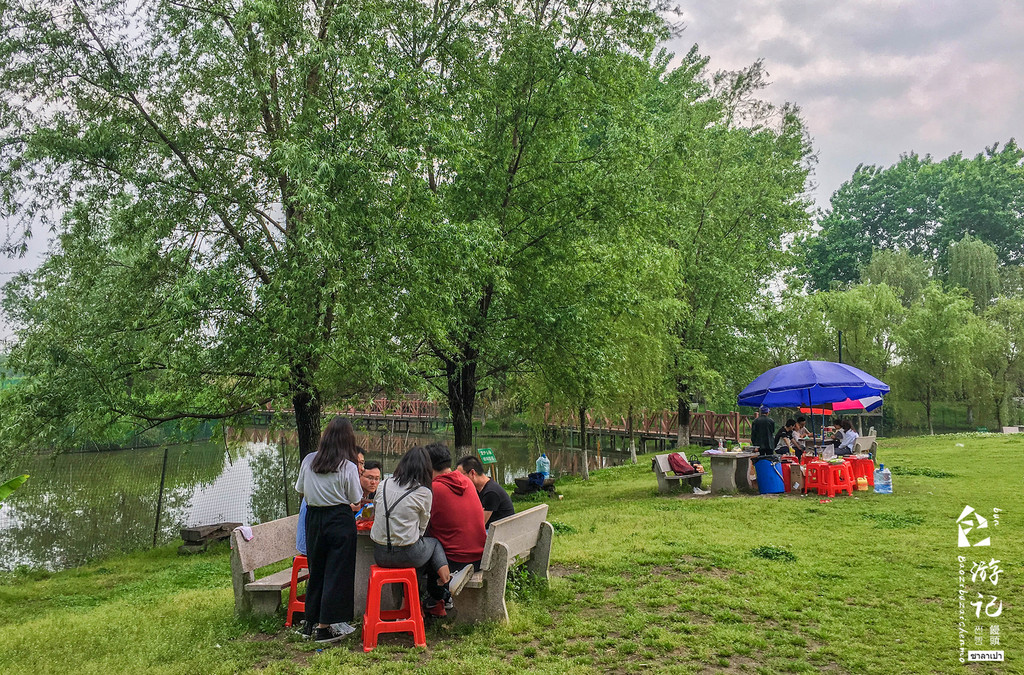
(729, 471)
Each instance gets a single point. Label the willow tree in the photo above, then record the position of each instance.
(867, 315)
(534, 161)
(906, 274)
(974, 266)
(729, 181)
(232, 186)
(935, 347)
(1006, 367)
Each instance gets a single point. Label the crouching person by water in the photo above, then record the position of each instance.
(401, 513)
(329, 481)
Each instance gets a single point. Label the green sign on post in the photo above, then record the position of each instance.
(487, 456)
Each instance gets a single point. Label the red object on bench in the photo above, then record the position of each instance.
(296, 603)
(409, 619)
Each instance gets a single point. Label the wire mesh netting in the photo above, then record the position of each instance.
(81, 506)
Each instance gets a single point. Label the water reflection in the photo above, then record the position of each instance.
(78, 507)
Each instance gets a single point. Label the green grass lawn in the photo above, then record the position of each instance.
(640, 582)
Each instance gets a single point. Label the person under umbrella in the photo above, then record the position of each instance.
(762, 432)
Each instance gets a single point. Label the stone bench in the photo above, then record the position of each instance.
(522, 539)
(667, 479)
(271, 543)
(1011, 430)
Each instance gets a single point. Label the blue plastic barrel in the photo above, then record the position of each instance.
(769, 477)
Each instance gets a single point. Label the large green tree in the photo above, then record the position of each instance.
(935, 347)
(878, 208)
(730, 187)
(240, 191)
(547, 110)
(922, 207)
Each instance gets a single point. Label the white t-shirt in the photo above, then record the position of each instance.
(848, 439)
(329, 489)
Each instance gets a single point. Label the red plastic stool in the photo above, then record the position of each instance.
(840, 478)
(296, 603)
(816, 477)
(863, 468)
(409, 619)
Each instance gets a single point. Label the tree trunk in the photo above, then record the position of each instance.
(970, 415)
(307, 422)
(928, 409)
(585, 472)
(632, 437)
(683, 437)
(461, 400)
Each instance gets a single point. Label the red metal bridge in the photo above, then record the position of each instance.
(418, 416)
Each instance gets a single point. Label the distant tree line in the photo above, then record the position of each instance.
(920, 266)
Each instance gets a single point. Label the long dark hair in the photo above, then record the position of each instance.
(337, 444)
(414, 469)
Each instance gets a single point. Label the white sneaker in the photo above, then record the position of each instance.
(460, 579)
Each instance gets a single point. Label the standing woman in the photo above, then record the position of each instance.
(329, 480)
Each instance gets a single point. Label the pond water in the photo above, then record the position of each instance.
(78, 507)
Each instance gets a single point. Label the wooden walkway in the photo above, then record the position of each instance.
(417, 416)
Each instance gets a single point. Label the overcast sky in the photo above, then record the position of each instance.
(874, 78)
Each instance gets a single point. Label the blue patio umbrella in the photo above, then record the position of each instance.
(810, 383)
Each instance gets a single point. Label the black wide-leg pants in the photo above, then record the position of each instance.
(331, 552)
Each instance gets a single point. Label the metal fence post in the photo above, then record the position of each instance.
(160, 499)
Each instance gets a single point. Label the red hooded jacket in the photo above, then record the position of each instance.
(457, 518)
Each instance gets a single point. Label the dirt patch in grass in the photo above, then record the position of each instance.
(737, 664)
(562, 570)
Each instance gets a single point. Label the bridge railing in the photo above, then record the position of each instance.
(708, 425)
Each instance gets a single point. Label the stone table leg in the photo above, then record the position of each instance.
(723, 474)
(391, 598)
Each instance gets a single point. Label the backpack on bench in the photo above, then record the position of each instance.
(679, 465)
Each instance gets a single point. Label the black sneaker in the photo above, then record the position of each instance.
(333, 633)
(305, 631)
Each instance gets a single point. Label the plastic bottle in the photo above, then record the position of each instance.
(721, 445)
(883, 480)
(544, 465)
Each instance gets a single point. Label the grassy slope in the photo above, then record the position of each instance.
(646, 582)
